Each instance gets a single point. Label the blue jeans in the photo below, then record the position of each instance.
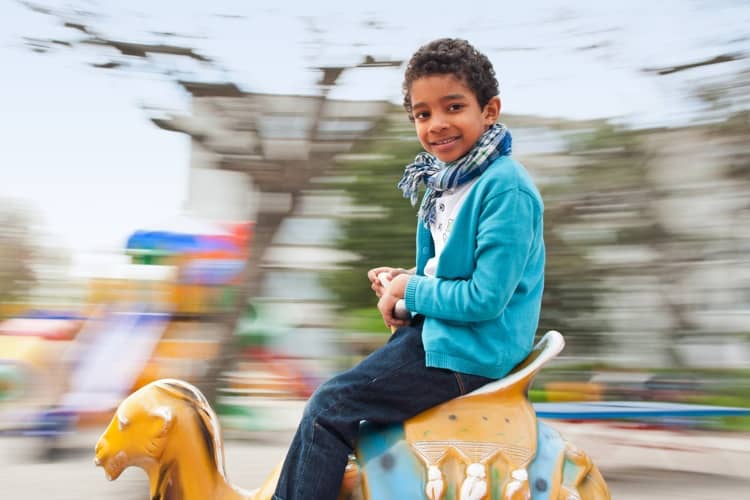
(391, 385)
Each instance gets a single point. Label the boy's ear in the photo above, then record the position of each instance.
(491, 110)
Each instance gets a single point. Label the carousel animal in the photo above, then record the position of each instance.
(168, 429)
(486, 444)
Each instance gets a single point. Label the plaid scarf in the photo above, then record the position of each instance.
(440, 177)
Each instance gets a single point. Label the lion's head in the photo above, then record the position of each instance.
(139, 433)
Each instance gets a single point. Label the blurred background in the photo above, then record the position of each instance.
(196, 190)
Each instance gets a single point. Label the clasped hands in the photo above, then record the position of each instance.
(389, 294)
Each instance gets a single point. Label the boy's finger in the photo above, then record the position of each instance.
(384, 278)
(386, 319)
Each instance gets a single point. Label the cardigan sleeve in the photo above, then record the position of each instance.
(505, 234)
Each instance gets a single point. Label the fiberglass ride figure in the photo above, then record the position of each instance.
(485, 444)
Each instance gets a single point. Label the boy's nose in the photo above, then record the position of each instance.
(438, 125)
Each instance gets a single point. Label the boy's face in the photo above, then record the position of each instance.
(447, 115)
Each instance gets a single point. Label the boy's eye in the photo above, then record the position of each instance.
(421, 115)
(455, 107)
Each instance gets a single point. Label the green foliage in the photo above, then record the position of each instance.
(17, 253)
(366, 319)
(609, 169)
(382, 226)
(727, 423)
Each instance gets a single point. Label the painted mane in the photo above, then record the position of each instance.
(207, 421)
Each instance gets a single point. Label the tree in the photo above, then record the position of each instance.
(382, 226)
(17, 252)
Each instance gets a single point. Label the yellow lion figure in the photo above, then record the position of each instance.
(168, 429)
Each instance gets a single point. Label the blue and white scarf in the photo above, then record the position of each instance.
(439, 176)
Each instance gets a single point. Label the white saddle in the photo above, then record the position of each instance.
(546, 349)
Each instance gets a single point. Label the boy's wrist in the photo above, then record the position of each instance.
(411, 291)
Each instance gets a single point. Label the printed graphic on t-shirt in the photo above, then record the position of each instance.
(447, 208)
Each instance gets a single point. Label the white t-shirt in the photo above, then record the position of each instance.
(446, 210)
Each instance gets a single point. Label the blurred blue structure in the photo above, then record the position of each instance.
(614, 410)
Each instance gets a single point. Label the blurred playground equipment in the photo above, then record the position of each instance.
(158, 316)
(264, 391)
(155, 317)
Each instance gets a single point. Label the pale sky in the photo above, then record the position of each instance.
(77, 144)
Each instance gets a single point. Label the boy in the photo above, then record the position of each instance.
(477, 287)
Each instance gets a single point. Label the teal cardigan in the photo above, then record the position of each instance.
(482, 307)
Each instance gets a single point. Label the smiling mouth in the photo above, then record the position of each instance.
(442, 142)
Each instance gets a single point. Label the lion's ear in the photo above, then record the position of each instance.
(163, 413)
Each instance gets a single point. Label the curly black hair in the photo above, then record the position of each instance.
(452, 56)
